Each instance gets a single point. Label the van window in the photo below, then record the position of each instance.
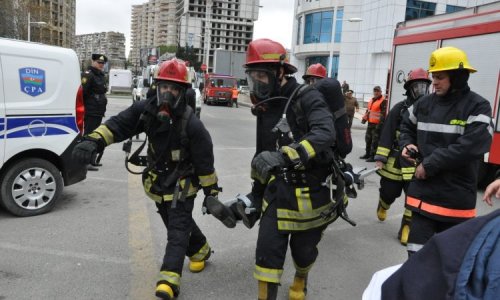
(224, 83)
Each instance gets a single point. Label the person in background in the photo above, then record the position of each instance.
(234, 96)
(345, 87)
(351, 106)
(444, 135)
(375, 115)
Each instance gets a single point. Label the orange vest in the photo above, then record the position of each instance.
(375, 111)
(235, 94)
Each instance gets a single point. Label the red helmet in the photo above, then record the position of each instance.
(173, 70)
(316, 70)
(416, 74)
(264, 51)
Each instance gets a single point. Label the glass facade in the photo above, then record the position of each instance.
(318, 27)
(338, 24)
(324, 61)
(419, 9)
(453, 8)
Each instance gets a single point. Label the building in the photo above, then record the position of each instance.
(111, 44)
(362, 32)
(50, 21)
(228, 25)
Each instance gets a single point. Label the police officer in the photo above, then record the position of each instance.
(447, 132)
(179, 160)
(374, 115)
(94, 93)
(395, 173)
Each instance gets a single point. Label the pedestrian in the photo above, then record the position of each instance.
(345, 87)
(94, 96)
(295, 134)
(351, 106)
(179, 160)
(234, 96)
(396, 173)
(375, 115)
(445, 134)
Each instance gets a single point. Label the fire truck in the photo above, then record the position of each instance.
(476, 31)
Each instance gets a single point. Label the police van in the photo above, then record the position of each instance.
(41, 117)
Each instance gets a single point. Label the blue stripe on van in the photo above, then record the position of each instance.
(19, 127)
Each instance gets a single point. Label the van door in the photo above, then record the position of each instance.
(3, 121)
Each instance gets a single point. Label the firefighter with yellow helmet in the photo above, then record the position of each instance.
(396, 173)
(179, 160)
(445, 134)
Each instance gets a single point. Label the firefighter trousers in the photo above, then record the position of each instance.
(371, 139)
(422, 229)
(272, 246)
(390, 190)
(184, 238)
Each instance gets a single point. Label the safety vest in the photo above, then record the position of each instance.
(235, 94)
(375, 110)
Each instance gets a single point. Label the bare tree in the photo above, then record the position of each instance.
(14, 17)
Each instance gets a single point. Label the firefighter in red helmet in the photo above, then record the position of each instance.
(295, 135)
(179, 160)
(396, 173)
(314, 73)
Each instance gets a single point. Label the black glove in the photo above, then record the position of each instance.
(209, 191)
(266, 162)
(84, 151)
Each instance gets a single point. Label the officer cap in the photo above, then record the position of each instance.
(99, 57)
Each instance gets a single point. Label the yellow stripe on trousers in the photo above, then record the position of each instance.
(142, 263)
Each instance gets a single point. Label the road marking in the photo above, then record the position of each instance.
(143, 266)
(61, 253)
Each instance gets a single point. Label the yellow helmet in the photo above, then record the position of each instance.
(449, 58)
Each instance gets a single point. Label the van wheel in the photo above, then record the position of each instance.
(30, 187)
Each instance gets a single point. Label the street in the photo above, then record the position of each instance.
(104, 239)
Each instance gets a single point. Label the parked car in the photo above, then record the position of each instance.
(244, 89)
(218, 89)
(139, 92)
(41, 118)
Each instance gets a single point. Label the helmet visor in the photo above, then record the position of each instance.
(169, 94)
(261, 82)
(419, 88)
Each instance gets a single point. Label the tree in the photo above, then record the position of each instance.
(14, 17)
(189, 54)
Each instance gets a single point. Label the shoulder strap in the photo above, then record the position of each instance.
(186, 116)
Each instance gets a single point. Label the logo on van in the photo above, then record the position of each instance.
(32, 81)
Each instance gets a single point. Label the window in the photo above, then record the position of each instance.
(453, 8)
(419, 9)
(324, 61)
(338, 24)
(318, 27)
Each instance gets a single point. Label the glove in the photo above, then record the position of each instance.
(84, 150)
(266, 162)
(209, 191)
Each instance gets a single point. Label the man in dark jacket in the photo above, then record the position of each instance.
(179, 160)
(445, 134)
(94, 93)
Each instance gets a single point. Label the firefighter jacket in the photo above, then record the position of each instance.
(459, 263)
(452, 133)
(395, 167)
(376, 110)
(299, 196)
(179, 153)
(331, 90)
(94, 92)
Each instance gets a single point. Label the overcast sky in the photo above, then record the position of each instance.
(275, 18)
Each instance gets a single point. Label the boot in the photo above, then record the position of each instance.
(404, 230)
(268, 290)
(198, 266)
(298, 289)
(364, 156)
(382, 210)
(222, 212)
(165, 291)
(246, 210)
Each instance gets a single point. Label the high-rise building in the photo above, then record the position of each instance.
(227, 25)
(111, 44)
(353, 38)
(51, 21)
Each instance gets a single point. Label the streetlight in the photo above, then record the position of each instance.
(355, 19)
(29, 25)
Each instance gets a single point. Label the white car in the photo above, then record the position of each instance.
(198, 102)
(139, 92)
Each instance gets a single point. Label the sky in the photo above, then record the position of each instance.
(105, 15)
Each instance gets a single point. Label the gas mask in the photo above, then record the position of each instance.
(262, 83)
(170, 100)
(418, 89)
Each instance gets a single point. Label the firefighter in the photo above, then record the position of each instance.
(375, 115)
(179, 160)
(446, 133)
(395, 174)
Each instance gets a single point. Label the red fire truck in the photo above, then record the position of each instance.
(218, 89)
(475, 30)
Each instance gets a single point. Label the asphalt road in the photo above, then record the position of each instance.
(104, 239)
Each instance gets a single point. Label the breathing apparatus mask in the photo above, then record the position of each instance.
(263, 83)
(170, 100)
(418, 89)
